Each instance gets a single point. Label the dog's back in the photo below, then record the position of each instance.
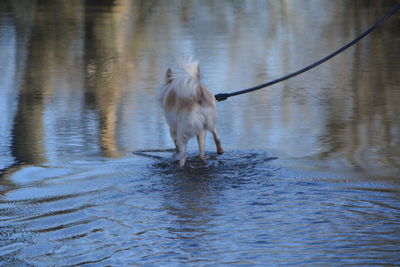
(189, 107)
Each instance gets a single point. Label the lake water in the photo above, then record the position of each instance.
(311, 172)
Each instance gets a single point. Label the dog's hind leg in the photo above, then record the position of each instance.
(217, 141)
(173, 136)
(201, 143)
(182, 152)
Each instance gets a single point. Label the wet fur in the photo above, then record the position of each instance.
(189, 108)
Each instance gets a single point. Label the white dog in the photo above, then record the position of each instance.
(189, 108)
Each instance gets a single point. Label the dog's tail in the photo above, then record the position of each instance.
(185, 80)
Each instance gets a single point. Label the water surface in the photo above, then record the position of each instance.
(311, 170)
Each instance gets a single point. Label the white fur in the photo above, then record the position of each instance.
(189, 107)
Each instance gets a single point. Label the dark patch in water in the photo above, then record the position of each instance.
(232, 163)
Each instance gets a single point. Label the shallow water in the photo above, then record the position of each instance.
(311, 170)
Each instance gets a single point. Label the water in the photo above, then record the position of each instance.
(311, 170)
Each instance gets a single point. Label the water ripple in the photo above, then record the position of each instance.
(238, 208)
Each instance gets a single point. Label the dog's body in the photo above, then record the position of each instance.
(189, 108)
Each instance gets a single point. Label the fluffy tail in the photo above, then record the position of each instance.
(185, 80)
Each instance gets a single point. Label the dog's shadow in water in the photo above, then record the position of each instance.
(230, 164)
(189, 194)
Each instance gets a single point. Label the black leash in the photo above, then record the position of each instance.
(224, 96)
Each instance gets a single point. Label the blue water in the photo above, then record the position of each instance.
(310, 175)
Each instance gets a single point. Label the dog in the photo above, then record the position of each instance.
(189, 108)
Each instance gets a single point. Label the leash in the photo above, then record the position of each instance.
(224, 96)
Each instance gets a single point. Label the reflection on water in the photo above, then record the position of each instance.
(81, 81)
(77, 97)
